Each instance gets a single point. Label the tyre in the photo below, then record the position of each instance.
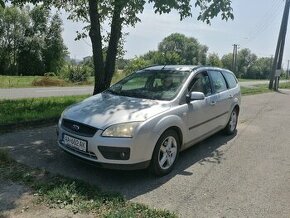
(165, 153)
(232, 124)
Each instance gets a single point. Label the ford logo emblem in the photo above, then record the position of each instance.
(75, 127)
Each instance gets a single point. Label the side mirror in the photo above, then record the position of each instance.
(194, 96)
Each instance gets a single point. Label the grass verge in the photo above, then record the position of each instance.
(259, 89)
(37, 81)
(58, 191)
(34, 110)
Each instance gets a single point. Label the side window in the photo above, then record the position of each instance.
(232, 82)
(201, 83)
(218, 81)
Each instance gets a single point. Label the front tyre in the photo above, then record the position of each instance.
(165, 153)
(231, 127)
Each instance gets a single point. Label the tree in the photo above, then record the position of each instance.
(214, 60)
(260, 69)
(125, 12)
(30, 54)
(28, 44)
(13, 25)
(227, 61)
(188, 49)
(245, 60)
(54, 51)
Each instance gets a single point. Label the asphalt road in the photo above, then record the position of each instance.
(16, 93)
(246, 175)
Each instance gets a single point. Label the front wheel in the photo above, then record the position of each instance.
(165, 153)
(232, 124)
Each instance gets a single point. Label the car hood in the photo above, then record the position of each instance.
(105, 109)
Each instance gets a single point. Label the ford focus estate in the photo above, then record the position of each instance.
(147, 118)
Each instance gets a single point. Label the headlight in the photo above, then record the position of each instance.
(124, 130)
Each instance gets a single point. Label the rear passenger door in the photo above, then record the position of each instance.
(222, 97)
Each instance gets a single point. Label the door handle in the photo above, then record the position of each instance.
(213, 103)
(231, 96)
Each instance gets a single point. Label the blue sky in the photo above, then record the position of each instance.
(256, 26)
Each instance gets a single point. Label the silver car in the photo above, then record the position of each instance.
(147, 118)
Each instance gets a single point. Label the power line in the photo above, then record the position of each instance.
(268, 18)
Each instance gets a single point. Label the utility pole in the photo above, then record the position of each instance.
(287, 72)
(235, 54)
(277, 63)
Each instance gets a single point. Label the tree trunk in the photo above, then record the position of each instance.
(96, 39)
(115, 36)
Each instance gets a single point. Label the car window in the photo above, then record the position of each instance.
(151, 84)
(231, 80)
(201, 83)
(218, 81)
(134, 83)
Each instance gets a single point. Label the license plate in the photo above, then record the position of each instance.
(75, 143)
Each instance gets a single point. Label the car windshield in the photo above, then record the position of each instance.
(151, 84)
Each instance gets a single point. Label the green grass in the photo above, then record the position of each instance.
(13, 112)
(259, 89)
(58, 191)
(16, 81)
(27, 81)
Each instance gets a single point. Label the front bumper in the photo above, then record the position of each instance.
(100, 151)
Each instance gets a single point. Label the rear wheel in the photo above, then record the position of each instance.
(232, 124)
(165, 153)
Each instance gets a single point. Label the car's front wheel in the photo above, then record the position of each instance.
(165, 153)
(232, 124)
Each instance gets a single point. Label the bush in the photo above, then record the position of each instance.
(75, 74)
(48, 81)
(136, 64)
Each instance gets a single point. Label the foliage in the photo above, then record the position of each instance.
(30, 41)
(136, 64)
(48, 81)
(162, 58)
(249, 66)
(75, 73)
(189, 50)
(214, 60)
(119, 13)
(55, 50)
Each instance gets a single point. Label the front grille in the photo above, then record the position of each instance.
(78, 128)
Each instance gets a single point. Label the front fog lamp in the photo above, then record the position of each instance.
(124, 130)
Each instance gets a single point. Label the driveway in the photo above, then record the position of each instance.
(247, 175)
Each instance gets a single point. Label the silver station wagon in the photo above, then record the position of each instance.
(147, 118)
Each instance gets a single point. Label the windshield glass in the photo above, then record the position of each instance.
(151, 84)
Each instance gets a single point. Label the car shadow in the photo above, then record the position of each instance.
(37, 148)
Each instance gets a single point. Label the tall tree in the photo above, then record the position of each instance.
(13, 25)
(126, 12)
(188, 48)
(54, 51)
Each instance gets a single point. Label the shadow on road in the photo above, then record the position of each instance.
(37, 148)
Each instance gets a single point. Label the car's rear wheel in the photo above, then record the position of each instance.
(232, 124)
(165, 153)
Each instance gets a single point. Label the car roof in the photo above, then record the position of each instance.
(183, 67)
(172, 67)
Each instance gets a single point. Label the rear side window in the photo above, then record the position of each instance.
(218, 81)
(232, 82)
